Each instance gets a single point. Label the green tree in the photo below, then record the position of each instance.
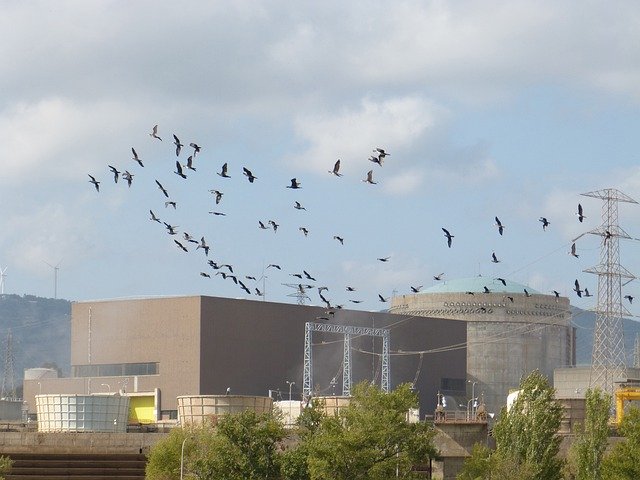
(623, 463)
(370, 438)
(241, 446)
(588, 449)
(526, 442)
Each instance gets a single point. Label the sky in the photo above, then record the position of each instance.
(495, 108)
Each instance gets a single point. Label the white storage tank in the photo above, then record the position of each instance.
(196, 409)
(82, 413)
(290, 410)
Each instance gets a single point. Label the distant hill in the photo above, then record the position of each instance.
(41, 334)
(584, 322)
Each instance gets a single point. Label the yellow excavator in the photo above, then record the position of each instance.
(625, 394)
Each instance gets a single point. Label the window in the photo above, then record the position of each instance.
(115, 369)
(452, 384)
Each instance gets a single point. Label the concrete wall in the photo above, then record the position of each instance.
(33, 442)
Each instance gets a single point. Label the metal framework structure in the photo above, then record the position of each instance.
(300, 292)
(636, 352)
(3, 276)
(8, 380)
(608, 363)
(349, 332)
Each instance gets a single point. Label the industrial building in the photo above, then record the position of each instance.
(157, 349)
(511, 330)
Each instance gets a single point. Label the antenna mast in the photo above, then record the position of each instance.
(608, 364)
(300, 293)
(3, 276)
(8, 381)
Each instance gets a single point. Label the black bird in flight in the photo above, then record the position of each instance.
(244, 287)
(154, 133)
(545, 222)
(309, 277)
(259, 293)
(369, 178)
(218, 195)
(189, 238)
(577, 289)
(128, 177)
(181, 246)
(170, 203)
(573, 250)
(204, 246)
(298, 206)
(350, 289)
(384, 259)
(179, 170)
(486, 290)
(115, 172)
(219, 214)
(526, 293)
(336, 169)
(494, 259)
(304, 230)
(274, 225)
(274, 266)
(297, 275)
(176, 142)
(190, 163)
(162, 189)
(262, 225)
(355, 301)
(153, 217)
(449, 236)
(500, 226)
(196, 148)
(95, 182)
(171, 230)
(382, 299)
(377, 160)
(381, 152)
(294, 184)
(586, 292)
(579, 213)
(247, 173)
(204, 274)
(629, 297)
(340, 239)
(439, 276)
(223, 172)
(556, 293)
(502, 280)
(416, 289)
(136, 158)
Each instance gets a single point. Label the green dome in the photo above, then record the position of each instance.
(476, 285)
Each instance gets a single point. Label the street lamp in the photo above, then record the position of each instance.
(473, 394)
(182, 457)
(291, 384)
(106, 385)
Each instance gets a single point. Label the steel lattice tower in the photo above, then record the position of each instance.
(8, 381)
(636, 351)
(608, 363)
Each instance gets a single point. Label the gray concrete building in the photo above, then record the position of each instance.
(156, 349)
(511, 331)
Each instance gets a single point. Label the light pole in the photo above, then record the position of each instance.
(106, 385)
(291, 384)
(182, 457)
(473, 393)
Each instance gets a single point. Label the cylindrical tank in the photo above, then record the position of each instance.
(290, 409)
(38, 373)
(196, 409)
(82, 413)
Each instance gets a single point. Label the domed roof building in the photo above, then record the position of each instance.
(512, 330)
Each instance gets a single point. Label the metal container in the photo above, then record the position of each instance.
(82, 413)
(196, 409)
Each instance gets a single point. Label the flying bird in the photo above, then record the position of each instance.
(179, 170)
(494, 259)
(176, 142)
(259, 293)
(171, 230)
(502, 281)
(545, 222)
(262, 225)
(189, 238)
(350, 289)
(449, 236)
(153, 217)
(355, 301)
(369, 178)
(115, 172)
(573, 250)
(340, 239)
(223, 172)
(204, 274)
(128, 177)
(162, 189)
(382, 299)
(416, 289)
(500, 226)
(384, 259)
(170, 203)
(629, 297)
(577, 289)
(526, 293)
(95, 182)
(181, 246)
(247, 173)
(135, 157)
(556, 293)
(274, 225)
(244, 287)
(309, 277)
(379, 160)
(586, 292)
(218, 195)
(304, 230)
(204, 246)
(336, 169)
(196, 148)
(274, 266)
(154, 133)
(294, 184)
(485, 290)
(438, 277)
(189, 164)
(219, 214)
(381, 152)
(579, 213)
(298, 206)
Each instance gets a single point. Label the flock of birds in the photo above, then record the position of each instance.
(305, 281)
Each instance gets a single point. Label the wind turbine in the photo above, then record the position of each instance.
(55, 277)
(3, 275)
